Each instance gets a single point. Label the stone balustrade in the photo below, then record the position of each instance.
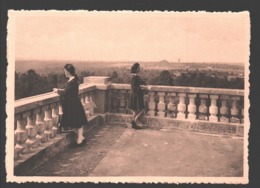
(206, 104)
(37, 117)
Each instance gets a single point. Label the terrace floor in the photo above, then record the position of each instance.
(118, 150)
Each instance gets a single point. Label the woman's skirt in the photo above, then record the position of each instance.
(136, 100)
(73, 114)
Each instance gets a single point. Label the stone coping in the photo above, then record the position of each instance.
(97, 80)
(177, 89)
(36, 101)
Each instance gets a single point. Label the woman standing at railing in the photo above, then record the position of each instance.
(136, 96)
(73, 111)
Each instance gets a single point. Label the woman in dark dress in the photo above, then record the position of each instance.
(73, 112)
(136, 96)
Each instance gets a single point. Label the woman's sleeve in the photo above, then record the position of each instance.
(68, 91)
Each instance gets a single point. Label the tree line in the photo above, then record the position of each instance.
(31, 83)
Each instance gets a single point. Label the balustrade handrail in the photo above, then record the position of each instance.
(180, 89)
(35, 101)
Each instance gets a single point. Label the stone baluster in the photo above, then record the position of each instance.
(203, 109)
(224, 111)
(181, 106)
(55, 118)
(192, 107)
(17, 148)
(114, 101)
(151, 104)
(171, 106)
(242, 116)
(87, 105)
(60, 111)
(161, 105)
(146, 102)
(122, 101)
(32, 131)
(40, 124)
(48, 122)
(213, 109)
(128, 110)
(21, 136)
(234, 111)
(92, 103)
(242, 110)
(110, 100)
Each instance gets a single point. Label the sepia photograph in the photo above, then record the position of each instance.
(127, 96)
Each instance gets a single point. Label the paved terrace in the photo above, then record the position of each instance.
(189, 132)
(115, 150)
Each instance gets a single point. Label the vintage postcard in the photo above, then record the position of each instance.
(127, 96)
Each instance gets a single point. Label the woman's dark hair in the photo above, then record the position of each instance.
(135, 68)
(71, 69)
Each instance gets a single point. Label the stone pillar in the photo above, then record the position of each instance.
(122, 101)
(192, 107)
(181, 106)
(41, 127)
(234, 111)
(213, 109)
(100, 99)
(203, 109)
(161, 105)
(32, 131)
(224, 111)
(48, 122)
(151, 104)
(21, 135)
(55, 118)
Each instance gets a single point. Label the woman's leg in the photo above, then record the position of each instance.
(139, 115)
(80, 135)
(133, 112)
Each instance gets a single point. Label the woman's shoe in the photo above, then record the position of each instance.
(75, 144)
(59, 131)
(135, 126)
(83, 142)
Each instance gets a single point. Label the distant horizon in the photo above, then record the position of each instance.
(124, 61)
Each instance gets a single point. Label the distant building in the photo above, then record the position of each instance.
(231, 78)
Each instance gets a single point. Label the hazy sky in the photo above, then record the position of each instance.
(128, 36)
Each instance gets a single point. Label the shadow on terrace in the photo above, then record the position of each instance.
(188, 132)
